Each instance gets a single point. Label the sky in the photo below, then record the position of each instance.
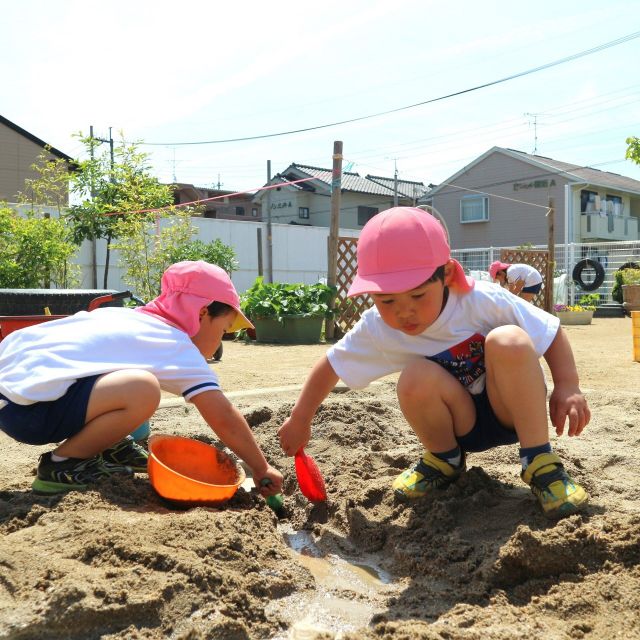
(162, 73)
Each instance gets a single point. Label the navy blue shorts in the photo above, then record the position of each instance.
(47, 422)
(487, 432)
(534, 288)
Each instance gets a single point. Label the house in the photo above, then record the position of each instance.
(309, 202)
(501, 199)
(19, 149)
(227, 205)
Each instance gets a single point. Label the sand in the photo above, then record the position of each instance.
(477, 560)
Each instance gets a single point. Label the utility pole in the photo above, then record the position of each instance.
(395, 183)
(551, 247)
(94, 248)
(332, 265)
(109, 141)
(269, 236)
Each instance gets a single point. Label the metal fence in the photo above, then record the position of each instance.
(611, 255)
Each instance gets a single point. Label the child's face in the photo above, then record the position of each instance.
(501, 277)
(413, 311)
(208, 338)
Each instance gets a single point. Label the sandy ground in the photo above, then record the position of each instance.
(477, 560)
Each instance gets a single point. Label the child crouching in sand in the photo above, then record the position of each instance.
(87, 381)
(468, 353)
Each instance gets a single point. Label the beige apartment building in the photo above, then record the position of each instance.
(19, 149)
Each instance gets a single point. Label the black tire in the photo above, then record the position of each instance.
(61, 302)
(217, 356)
(588, 263)
(628, 265)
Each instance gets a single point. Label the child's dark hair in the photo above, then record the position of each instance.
(217, 309)
(438, 274)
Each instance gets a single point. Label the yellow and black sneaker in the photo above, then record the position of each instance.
(429, 473)
(127, 453)
(73, 473)
(558, 494)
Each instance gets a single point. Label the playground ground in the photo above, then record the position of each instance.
(477, 560)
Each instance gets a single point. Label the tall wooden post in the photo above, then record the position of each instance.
(332, 257)
(551, 247)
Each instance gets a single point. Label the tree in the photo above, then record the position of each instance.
(633, 149)
(109, 189)
(34, 251)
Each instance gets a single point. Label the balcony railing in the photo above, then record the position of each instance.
(607, 226)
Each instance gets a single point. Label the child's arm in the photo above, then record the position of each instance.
(566, 400)
(231, 427)
(296, 430)
(516, 287)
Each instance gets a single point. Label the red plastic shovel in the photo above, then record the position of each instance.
(309, 478)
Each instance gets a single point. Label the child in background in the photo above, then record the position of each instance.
(521, 279)
(468, 353)
(91, 379)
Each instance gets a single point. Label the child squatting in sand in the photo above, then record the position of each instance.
(87, 381)
(468, 353)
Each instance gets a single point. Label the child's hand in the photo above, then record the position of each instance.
(269, 482)
(569, 402)
(294, 434)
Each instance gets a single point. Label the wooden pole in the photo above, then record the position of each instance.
(332, 257)
(551, 247)
(259, 231)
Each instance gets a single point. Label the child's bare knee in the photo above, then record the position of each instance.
(508, 341)
(415, 378)
(144, 386)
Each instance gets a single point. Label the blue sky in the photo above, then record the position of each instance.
(168, 72)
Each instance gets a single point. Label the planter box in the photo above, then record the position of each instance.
(292, 330)
(631, 297)
(575, 317)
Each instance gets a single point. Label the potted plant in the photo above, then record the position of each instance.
(630, 290)
(287, 313)
(581, 313)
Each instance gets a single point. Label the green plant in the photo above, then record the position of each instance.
(215, 252)
(631, 276)
(623, 276)
(277, 300)
(34, 251)
(589, 300)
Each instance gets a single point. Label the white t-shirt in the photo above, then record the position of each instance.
(41, 362)
(455, 340)
(524, 272)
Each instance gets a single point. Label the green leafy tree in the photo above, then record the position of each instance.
(633, 149)
(109, 189)
(51, 186)
(34, 251)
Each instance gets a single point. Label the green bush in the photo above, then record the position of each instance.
(34, 251)
(623, 276)
(277, 300)
(215, 252)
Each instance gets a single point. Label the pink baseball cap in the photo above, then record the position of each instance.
(497, 266)
(399, 249)
(188, 286)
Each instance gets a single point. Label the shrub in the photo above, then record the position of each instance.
(277, 300)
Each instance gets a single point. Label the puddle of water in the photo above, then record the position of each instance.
(331, 607)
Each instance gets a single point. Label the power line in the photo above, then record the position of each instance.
(520, 74)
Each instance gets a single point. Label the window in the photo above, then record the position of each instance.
(588, 201)
(474, 209)
(613, 205)
(365, 214)
(303, 212)
(254, 212)
(239, 211)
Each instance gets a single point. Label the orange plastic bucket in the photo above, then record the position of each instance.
(192, 473)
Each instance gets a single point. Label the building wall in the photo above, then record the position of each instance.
(17, 154)
(511, 223)
(299, 253)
